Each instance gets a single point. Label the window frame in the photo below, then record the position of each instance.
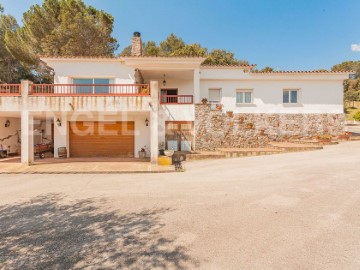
(94, 87)
(220, 95)
(244, 90)
(289, 90)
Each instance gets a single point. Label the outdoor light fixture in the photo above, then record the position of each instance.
(58, 122)
(147, 122)
(164, 81)
(7, 123)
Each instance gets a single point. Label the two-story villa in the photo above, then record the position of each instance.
(107, 107)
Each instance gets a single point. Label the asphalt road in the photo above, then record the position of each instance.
(286, 211)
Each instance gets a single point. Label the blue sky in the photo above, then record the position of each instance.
(284, 34)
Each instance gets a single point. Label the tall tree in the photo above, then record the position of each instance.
(348, 66)
(171, 44)
(10, 69)
(62, 28)
(175, 46)
(352, 85)
(223, 57)
(190, 50)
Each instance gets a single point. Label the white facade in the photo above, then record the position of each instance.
(317, 93)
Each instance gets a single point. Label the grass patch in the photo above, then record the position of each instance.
(351, 109)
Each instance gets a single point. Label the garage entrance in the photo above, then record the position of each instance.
(101, 139)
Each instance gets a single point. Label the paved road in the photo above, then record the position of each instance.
(287, 211)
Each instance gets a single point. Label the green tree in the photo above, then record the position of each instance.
(151, 49)
(62, 28)
(348, 66)
(351, 96)
(175, 46)
(10, 69)
(171, 44)
(190, 50)
(223, 57)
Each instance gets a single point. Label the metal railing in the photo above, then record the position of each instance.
(10, 89)
(176, 99)
(90, 90)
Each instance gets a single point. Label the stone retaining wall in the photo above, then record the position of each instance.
(215, 129)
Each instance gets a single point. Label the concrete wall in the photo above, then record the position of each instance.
(13, 131)
(315, 96)
(86, 104)
(66, 70)
(185, 86)
(319, 93)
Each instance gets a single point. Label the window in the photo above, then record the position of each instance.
(92, 85)
(290, 96)
(244, 96)
(214, 95)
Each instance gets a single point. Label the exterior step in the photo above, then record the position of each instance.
(205, 155)
(295, 147)
(245, 152)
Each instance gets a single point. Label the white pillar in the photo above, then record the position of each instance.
(197, 85)
(61, 134)
(27, 127)
(154, 122)
(27, 138)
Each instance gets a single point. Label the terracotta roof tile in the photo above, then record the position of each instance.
(228, 66)
(301, 71)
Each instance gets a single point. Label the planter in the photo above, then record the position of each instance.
(250, 126)
(142, 154)
(230, 114)
(169, 153)
(204, 101)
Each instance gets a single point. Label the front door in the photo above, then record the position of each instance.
(179, 135)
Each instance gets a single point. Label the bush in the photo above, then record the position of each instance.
(357, 116)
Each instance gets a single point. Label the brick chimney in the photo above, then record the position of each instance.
(136, 44)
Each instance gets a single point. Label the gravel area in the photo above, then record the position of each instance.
(297, 210)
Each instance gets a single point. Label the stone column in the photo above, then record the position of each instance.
(154, 122)
(196, 85)
(27, 127)
(61, 134)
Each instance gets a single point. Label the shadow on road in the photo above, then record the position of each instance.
(47, 233)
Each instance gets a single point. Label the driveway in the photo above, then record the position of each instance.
(287, 211)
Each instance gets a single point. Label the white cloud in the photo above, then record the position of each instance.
(355, 47)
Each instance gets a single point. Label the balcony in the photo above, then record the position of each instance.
(10, 90)
(105, 90)
(176, 99)
(75, 97)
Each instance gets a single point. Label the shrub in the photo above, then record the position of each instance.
(357, 116)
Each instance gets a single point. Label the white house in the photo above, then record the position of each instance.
(102, 106)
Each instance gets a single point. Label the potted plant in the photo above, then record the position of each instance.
(230, 114)
(162, 148)
(249, 125)
(324, 138)
(144, 90)
(219, 107)
(142, 153)
(204, 101)
(345, 136)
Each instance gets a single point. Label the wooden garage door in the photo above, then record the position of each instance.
(101, 139)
